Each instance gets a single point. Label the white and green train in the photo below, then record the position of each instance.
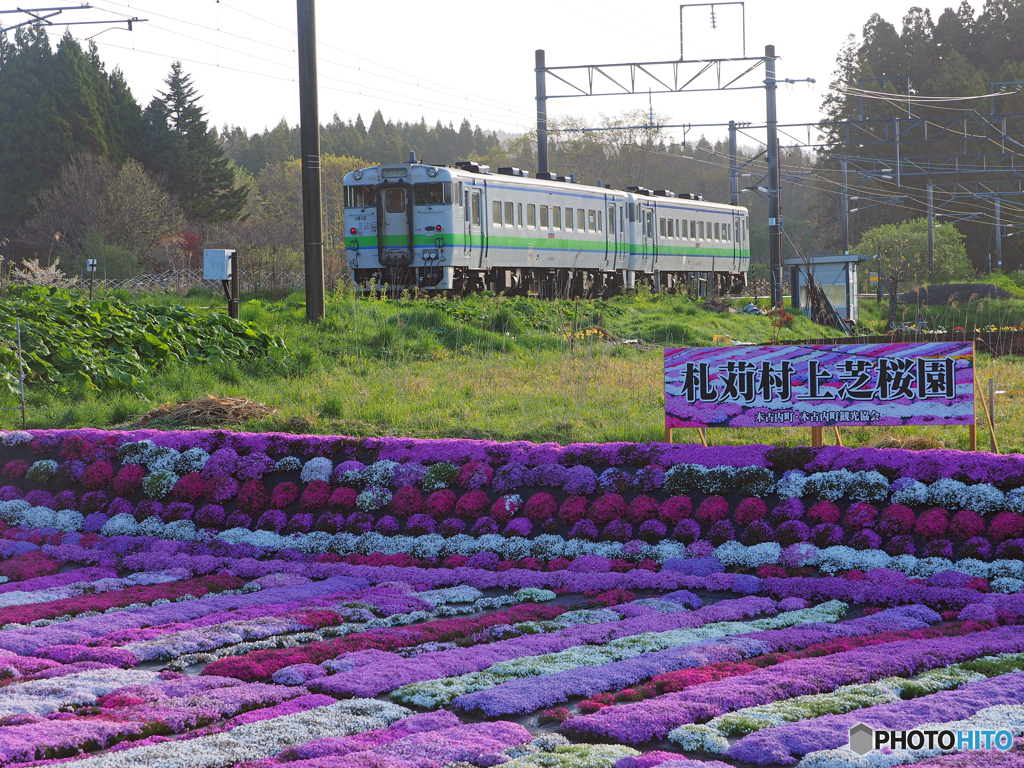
(463, 229)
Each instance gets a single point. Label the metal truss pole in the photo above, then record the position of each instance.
(774, 208)
(542, 114)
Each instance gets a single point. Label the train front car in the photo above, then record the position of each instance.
(400, 225)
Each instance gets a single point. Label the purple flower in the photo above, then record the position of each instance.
(653, 531)
(721, 532)
(787, 509)
(866, 540)
(484, 526)
(487, 561)
(420, 525)
(584, 529)
(520, 526)
(452, 527)
(686, 531)
(758, 532)
(826, 535)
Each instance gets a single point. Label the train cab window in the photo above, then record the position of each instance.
(360, 197)
(496, 213)
(519, 215)
(568, 219)
(394, 200)
(543, 217)
(556, 218)
(510, 214)
(581, 221)
(611, 219)
(476, 209)
(433, 193)
(718, 233)
(531, 216)
(591, 221)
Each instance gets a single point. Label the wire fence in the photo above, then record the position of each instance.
(251, 281)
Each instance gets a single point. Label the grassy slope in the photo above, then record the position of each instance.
(481, 367)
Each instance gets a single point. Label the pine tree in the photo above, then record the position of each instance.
(180, 145)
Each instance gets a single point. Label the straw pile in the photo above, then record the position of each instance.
(214, 411)
(911, 442)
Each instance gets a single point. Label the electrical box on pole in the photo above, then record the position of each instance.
(222, 266)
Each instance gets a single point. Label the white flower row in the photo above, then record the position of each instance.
(574, 756)
(18, 597)
(255, 741)
(1009, 717)
(44, 697)
(441, 691)
(20, 513)
(713, 735)
(842, 558)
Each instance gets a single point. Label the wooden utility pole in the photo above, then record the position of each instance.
(312, 206)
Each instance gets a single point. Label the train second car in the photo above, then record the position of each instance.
(464, 229)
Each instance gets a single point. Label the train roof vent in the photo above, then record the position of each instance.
(691, 196)
(510, 171)
(639, 190)
(547, 176)
(564, 178)
(466, 165)
(664, 193)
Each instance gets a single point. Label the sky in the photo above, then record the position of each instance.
(471, 58)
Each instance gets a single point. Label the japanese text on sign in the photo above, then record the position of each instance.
(820, 385)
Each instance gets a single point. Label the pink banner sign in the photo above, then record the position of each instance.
(820, 385)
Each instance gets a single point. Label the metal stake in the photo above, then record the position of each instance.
(21, 375)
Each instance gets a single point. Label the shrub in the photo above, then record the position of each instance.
(284, 495)
(573, 509)
(610, 506)
(440, 504)
(721, 532)
(686, 531)
(641, 509)
(541, 507)
(712, 510)
(653, 531)
(826, 535)
(674, 509)
(932, 524)
(758, 532)
(896, 520)
(750, 510)
(966, 524)
(859, 516)
(866, 540)
(792, 532)
(473, 504)
(824, 512)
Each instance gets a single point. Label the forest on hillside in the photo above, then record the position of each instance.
(89, 172)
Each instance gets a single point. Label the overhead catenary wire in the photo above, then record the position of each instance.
(504, 108)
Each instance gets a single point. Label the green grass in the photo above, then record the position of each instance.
(482, 367)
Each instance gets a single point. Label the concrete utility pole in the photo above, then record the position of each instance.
(774, 208)
(845, 213)
(999, 235)
(931, 235)
(312, 206)
(734, 173)
(542, 114)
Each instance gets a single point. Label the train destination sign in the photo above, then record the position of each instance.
(820, 385)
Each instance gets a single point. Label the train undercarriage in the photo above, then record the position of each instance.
(547, 283)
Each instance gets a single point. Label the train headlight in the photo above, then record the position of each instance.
(438, 227)
(431, 172)
(357, 175)
(352, 231)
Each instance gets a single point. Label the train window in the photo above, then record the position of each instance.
(496, 213)
(510, 214)
(543, 217)
(568, 219)
(433, 193)
(360, 197)
(639, 215)
(682, 229)
(476, 209)
(591, 221)
(693, 230)
(718, 232)
(622, 223)
(700, 230)
(394, 200)
(531, 216)
(727, 233)
(600, 216)
(679, 232)
(457, 195)
(662, 229)
(707, 230)
(556, 217)
(519, 214)
(611, 219)
(581, 222)
(650, 223)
